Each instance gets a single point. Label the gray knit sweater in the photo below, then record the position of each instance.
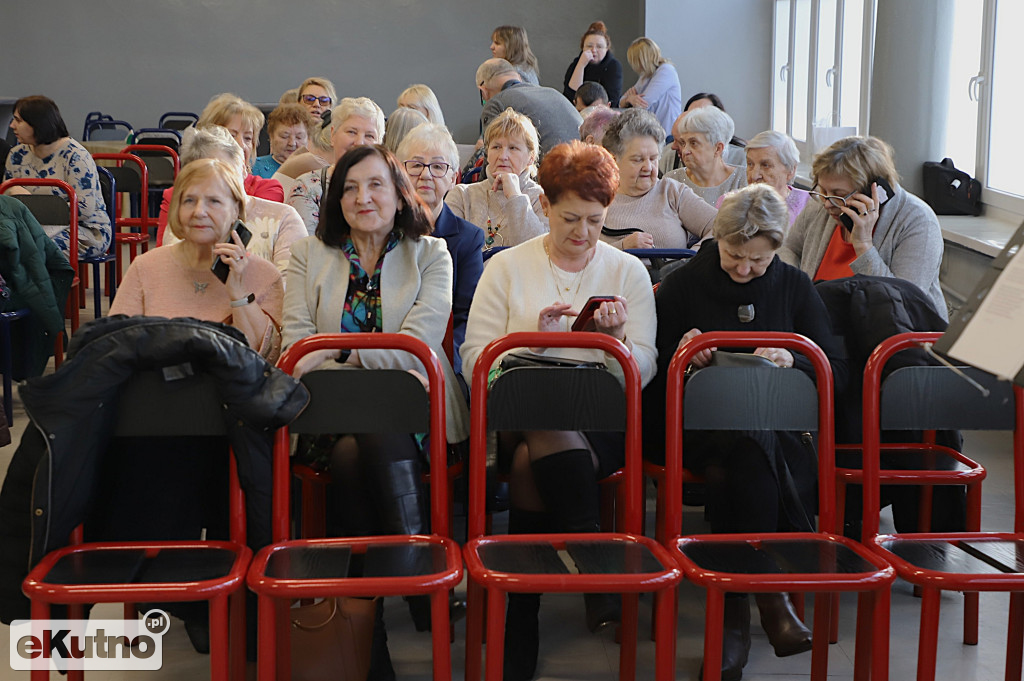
(908, 244)
(517, 219)
(670, 212)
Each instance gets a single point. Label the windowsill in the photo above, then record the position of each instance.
(986, 234)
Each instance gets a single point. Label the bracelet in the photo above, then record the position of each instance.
(242, 302)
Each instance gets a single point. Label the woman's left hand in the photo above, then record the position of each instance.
(611, 318)
(863, 211)
(781, 357)
(507, 183)
(233, 254)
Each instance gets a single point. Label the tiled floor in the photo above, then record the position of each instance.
(569, 652)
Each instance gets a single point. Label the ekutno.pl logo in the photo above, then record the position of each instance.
(129, 645)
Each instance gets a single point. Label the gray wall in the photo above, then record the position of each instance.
(720, 46)
(136, 60)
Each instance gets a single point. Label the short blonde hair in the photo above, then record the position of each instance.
(644, 56)
(423, 97)
(358, 106)
(511, 123)
(322, 82)
(225, 106)
(861, 159)
(756, 210)
(202, 169)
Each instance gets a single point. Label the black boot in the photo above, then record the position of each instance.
(522, 640)
(380, 657)
(786, 632)
(568, 487)
(735, 637)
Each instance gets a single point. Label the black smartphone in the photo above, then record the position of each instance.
(585, 320)
(220, 268)
(885, 193)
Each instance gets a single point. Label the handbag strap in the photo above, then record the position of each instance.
(314, 627)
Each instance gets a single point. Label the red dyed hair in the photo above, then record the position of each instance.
(586, 170)
(597, 28)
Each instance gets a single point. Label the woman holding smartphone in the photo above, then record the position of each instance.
(542, 285)
(863, 222)
(178, 280)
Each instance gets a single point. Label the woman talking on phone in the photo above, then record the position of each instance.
(863, 222)
(179, 280)
(542, 285)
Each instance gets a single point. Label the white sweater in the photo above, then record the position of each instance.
(518, 283)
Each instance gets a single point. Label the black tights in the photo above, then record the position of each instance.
(742, 493)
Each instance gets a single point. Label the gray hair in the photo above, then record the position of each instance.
(214, 142)
(398, 125)
(432, 136)
(781, 143)
(629, 124)
(597, 122)
(756, 210)
(493, 67)
(712, 122)
(358, 106)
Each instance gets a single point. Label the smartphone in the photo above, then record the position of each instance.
(220, 268)
(585, 320)
(885, 193)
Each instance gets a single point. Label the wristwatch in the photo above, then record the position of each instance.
(343, 356)
(242, 302)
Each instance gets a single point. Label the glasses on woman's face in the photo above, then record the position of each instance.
(312, 99)
(437, 169)
(834, 201)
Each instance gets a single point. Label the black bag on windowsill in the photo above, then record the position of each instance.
(950, 191)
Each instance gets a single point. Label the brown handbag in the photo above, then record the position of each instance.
(331, 639)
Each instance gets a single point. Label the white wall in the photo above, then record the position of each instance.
(720, 46)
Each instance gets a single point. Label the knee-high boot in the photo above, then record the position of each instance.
(568, 487)
(735, 638)
(522, 640)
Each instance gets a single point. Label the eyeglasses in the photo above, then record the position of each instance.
(437, 169)
(310, 99)
(834, 201)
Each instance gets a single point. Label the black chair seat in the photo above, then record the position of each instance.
(333, 560)
(777, 556)
(980, 556)
(132, 566)
(907, 460)
(610, 557)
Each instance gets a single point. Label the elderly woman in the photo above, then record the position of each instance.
(317, 155)
(423, 99)
(772, 158)
(244, 122)
(176, 281)
(757, 481)
(45, 150)
(511, 44)
(596, 63)
(431, 161)
(885, 236)
(506, 204)
(657, 90)
(593, 126)
(371, 268)
(288, 126)
(541, 285)
(356, 121)
(735, 151)
(274, 226)
(701, 138)
(648, 212)
(398, 125)
(317, 95)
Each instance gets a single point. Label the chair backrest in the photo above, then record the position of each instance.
(107, 129)
(165, 136)
(161, 160)
(108, 188)
(933, 398)
(132, 179)
(53, 210)
(555, 399)
(742, 398)
(178, 120)
(378, 400)
(263, 141)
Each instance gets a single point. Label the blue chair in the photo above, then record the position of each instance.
(108, 187)
(165, 136)
(101, 127)
(177, 120)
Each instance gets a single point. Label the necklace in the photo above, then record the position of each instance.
(561, 287)
(491, 234)
(200, 286)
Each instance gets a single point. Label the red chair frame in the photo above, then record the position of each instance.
(496, 584)
(874, 586)
(274, 643)
(143, 222)
(933, 582)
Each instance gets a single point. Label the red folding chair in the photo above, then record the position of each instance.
(820, 562)
(938, 398)
(159, 571)
(163, 165)
(133, 181)
(390, 400)
(625, 562)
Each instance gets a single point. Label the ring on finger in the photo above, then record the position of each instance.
(864, 213)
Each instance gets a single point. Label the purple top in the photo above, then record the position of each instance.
(796, 201)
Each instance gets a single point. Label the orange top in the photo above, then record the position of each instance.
(835, 264)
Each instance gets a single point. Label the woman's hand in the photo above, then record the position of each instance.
(550, 318)
(702, 358)
(611, 318)
(782, 358)
(313, 360)
(863, 210)
(588, 57)
(634, 98)
(638, 240)
(232, 253)
(507, 183)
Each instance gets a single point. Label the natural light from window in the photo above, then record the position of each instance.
(964, 55)
(1004, 166)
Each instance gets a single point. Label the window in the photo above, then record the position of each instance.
(819, 70)
(1002, 173)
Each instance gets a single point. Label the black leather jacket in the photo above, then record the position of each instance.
(55, 477)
